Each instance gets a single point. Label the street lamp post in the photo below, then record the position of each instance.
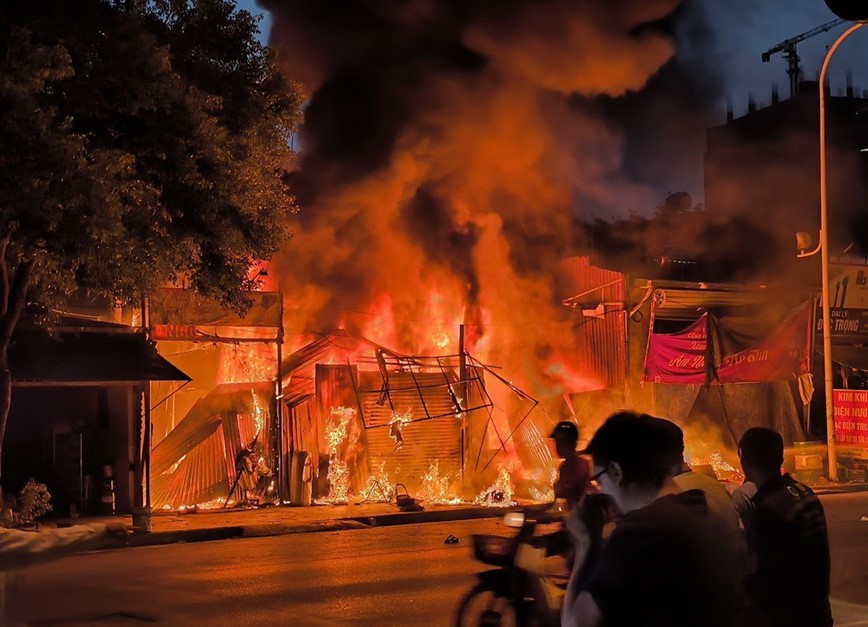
(824, 256)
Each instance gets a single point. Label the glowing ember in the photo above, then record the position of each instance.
(397, 423)
(258, 413)
(435, 487)
(171, 469)
(217, 503)
(379, 487)
(703, 453)
(338, 473)
(500, 493)
(245, 363)
(441, 340)
(545, 495)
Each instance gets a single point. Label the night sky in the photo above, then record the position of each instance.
(743, 30)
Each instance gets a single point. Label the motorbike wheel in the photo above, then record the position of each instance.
(481, 607)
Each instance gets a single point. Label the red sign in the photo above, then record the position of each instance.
(851, 417)
(781, 356)
(175, 332)
(678, 357)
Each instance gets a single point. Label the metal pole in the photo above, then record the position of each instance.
(465, 388)
(281, 468)
(824, 256)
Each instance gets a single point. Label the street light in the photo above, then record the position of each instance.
(824, 256)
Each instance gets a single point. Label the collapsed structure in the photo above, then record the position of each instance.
(341, 418)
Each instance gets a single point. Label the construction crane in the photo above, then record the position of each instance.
(788, 47)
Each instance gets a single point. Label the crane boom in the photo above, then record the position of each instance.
(788, 47)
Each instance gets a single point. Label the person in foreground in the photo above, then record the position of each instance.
(787, 537)
(671, 560)
(684, 478)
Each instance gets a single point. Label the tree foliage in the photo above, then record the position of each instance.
(143, 143)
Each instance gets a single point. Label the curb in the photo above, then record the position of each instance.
(425, 516)
(841, 489)
(159, 538)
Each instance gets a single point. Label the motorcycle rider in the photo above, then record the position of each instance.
(574, 474)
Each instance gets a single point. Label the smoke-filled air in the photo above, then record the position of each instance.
(441, 161)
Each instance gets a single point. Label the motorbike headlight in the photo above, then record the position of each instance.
(514, 519)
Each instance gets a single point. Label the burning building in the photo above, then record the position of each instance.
(716, 358)
(364, 418)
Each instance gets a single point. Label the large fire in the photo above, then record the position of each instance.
(500, 493)
(451, 205)
(336, 432)
(456, 195)
(437, 488)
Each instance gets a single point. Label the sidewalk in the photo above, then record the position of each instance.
(170, 527)
(203, 525)
(838, 488)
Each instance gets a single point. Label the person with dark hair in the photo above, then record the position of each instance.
(574, 475)
(684, 478)
(787, 537)
(670, 560)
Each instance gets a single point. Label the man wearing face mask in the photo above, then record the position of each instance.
(671, 560)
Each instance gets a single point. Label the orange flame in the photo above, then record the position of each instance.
(338, 472)
(500, 493)
(435, 487)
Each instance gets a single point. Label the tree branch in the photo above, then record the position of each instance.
(17, 299)
(4, 276)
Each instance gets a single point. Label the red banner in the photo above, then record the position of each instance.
(851, 418)
(782, 355)
(678, 357)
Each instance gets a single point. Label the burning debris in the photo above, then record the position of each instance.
(398, 422)
(438, 489)
(379, 487)
(338, 471)
(547, 494)
(500, 493)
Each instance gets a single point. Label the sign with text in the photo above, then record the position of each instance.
(849, 322)
(851, 418)
(680, 357)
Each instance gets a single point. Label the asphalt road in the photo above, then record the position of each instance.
(848, 540)
(402, 575)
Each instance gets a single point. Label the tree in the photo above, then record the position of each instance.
(144, 142)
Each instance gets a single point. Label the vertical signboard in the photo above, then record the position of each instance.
(851, 420)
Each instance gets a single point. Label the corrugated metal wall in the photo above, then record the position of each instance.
(425, 440)
(598, 299)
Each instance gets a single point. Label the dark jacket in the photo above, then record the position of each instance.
(790, 547)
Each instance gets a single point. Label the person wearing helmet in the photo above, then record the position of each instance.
(574, 475)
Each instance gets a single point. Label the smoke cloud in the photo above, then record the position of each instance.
(446, 151)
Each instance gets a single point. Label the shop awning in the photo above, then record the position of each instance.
(88, 357)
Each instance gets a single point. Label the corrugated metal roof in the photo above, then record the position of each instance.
(584, 283)
(299, 368)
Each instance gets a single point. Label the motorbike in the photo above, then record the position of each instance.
(518, 591)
